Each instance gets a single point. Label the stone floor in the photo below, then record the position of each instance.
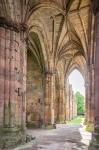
(64, 137)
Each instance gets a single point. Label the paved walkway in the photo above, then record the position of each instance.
(65, 137)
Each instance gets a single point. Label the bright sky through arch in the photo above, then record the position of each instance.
(77, 81)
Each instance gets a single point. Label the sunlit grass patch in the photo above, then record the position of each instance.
(76, 121)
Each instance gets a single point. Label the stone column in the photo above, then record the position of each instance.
(13, 84)
(69, 103)
(62, 103)
(70, 95)
(67, 100)
(49, 98)
(95, 139)
(73, 106)
(88, 96)
(92, 84)
(89, 86)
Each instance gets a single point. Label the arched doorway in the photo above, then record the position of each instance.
(35, 82)
(76, 94)
(34, 98)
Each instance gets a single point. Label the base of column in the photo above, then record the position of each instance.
(11, 137)
(94, 145)
(89, 126)
(62, 119)
(49, 126)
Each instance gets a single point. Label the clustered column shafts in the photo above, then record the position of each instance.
(71, 104)
(56, 46)
(67, 101)
(62, 104)
(49, 98)
(13, 83)
(95, 137)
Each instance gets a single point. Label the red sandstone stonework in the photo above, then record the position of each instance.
(61, 35)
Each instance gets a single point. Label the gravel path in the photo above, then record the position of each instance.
(64, 137)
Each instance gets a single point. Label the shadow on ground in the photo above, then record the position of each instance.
(64, 137)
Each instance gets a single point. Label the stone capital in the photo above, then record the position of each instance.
(10, 24)
(50, 72)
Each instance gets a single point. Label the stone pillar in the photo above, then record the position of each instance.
(70, 95)
(49, 98)
(62, 104)
(69, 103)
(13, 84)
(73, 106)
(95, 138)
(67, 100)
(56, 103)
(92, 84)
(89, 86)
(88, 96)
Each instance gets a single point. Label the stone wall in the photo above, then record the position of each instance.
(34, 92)
(71, 105)
(13, 85)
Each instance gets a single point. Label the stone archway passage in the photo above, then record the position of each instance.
(34, 96)
(60, 34)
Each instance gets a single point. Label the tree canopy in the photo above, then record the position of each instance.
(80, 103)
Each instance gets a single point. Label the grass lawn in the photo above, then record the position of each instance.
(76, 121)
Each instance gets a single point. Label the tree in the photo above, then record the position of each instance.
(80, 103)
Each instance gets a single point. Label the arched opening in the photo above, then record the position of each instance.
(34, 104)
(76, 96)
(35, 82)
(56, 36)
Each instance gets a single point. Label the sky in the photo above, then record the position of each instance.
(77, 81)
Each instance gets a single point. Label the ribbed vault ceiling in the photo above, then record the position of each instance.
(65, 25)
(58, 29)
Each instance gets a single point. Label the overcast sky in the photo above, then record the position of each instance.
(77, 82)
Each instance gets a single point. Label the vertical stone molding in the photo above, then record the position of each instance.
(62, 104)
(95, 138)
(71, 105)
(13, 84)
(75, 107)
(49, 98)
(71, 102)
(92, 89)
(67, 100)
(88, 95)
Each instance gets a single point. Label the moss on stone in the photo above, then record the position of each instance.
(11, 137)
(89, 127)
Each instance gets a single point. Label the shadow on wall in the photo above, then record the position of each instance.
(34, 113)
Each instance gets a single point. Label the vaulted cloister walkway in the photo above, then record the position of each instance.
(64, 137)
(41, 43)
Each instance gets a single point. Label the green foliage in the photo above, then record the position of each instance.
(80, 103)
(76, 121)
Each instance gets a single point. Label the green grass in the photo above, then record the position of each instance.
(76, 121)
